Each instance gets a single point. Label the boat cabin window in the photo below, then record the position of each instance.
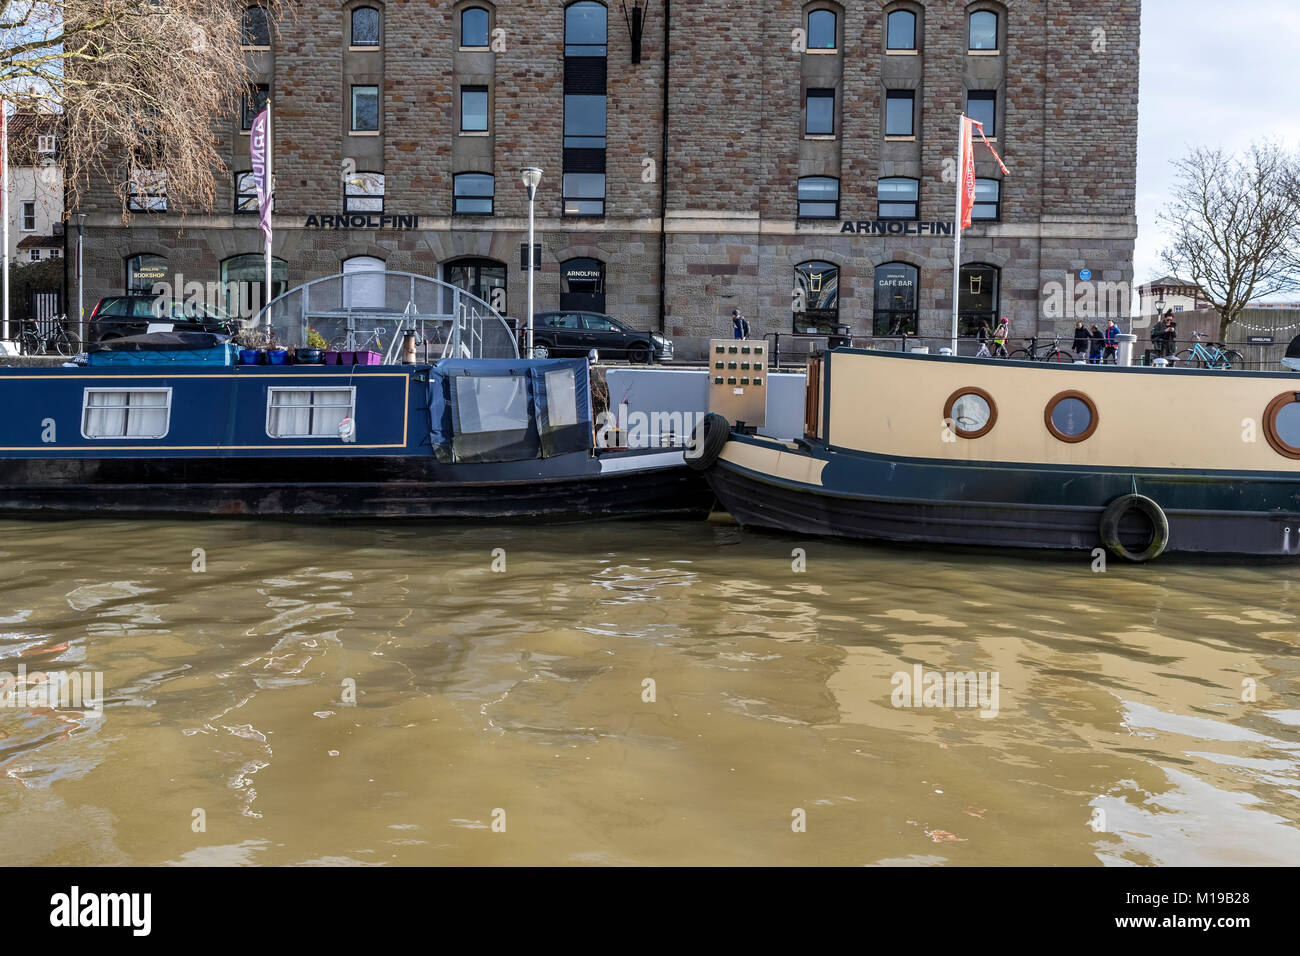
(308, 412)
(1282, 424)
(125, 413)
(561, 398)
(1071, 416)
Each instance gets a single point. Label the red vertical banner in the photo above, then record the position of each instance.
(967, 172)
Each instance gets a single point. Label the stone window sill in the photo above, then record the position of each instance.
(475, 132)
(363, 132)
(902, 53)
(820, 137)
(900, 139)
(983, 52)
(363, 49)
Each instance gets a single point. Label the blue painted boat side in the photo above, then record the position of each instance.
(214, 411)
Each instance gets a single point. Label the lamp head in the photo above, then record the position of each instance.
(532, 177)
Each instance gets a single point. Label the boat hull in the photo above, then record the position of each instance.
(566, 488)
(1007, 507)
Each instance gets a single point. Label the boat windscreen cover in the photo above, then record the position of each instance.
(163, 342)
(562, 391)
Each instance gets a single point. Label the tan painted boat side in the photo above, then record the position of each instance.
(792, 466)
(1146, 419)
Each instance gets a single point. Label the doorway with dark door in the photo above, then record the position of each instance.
(582, 285)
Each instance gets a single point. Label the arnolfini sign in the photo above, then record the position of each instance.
(895, 227)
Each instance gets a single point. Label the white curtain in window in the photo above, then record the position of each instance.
(290, 414)
(308, 413)
(106, 415)
(126, 414)
(147, 415)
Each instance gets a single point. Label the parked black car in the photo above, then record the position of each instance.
(577, 333)
(117, 316)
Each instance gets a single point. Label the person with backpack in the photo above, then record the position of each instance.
(1000, 336)
(1111, 339)
(739, 325)
(1095, 342)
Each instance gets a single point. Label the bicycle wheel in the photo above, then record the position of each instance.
(1064, 358)
(29, 343)
(1231, 358)
(1020, 355)
(1185, 358)
(66, 343)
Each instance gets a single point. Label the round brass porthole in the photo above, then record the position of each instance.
(1282, 424)
(972, 412)
(1071, 416)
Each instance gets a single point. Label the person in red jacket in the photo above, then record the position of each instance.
(1112, 342)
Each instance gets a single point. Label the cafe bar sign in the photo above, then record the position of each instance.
(362, 220)
(896, 227)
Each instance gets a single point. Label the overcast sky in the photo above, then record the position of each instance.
(1213, 73)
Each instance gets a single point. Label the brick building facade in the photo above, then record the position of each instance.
(807, 178)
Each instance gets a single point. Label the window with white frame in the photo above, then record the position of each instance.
(147, 191)
(54, 253)
(308, 412)
(45, 144)
(34, 255)
(29, 217)
(125, 413)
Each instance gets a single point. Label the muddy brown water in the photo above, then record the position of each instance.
(502, 715)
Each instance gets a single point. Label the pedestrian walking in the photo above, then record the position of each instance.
(1080, 342)
(1111, 338)
(983, 336)
(1169, 334)
(1000, 336)
(739, 325)
(1095, 342)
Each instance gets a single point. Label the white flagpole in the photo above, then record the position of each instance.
(956, 245)
(270, 199)
(4, 201)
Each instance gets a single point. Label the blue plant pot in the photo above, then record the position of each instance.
(277, 356)
(249, 357)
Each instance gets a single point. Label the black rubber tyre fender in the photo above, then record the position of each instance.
(1115, 512)
(706, 444)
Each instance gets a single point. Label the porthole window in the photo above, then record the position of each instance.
(972, 412)
(1282, 424)
(1071, 417)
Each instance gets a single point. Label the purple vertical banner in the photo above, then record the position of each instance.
(260, 147)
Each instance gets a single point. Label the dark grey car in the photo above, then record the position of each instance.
(577, 333)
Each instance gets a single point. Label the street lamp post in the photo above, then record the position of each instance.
(81, 278)
(532, 177)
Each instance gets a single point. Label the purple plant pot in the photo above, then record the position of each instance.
(367, 357)
(332, 357)
(347, 358)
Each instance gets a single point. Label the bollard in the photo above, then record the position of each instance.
(1126, 343)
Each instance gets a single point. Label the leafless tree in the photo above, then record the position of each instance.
(1234, 226)
(139, 86)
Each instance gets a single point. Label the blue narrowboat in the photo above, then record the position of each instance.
(185, 430)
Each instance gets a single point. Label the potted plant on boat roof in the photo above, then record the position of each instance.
(251, 343)
(276, 354)
(313, 353)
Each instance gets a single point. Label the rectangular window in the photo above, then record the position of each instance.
(147, 191)
(819, 114)
(819, 197)
(897, 198)
(473, 109)
(55, 253)
(584, 121)
(584, 194)
(34, 255)
(988, 195)
(245, 193)
(308, 412)
(365, 109)
(125, 413)
(898, 113)
(29, 217)
(982, 106)
(364, 192)
(45, 144)
(473, 194)
(252, 103)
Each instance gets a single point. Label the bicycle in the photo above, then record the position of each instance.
(32, 342)
(1051, 353)
(1198, 356)
(358, 341)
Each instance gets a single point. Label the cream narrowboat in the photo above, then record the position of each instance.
(983, 452)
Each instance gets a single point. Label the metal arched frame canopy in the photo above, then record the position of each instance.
(372, 310)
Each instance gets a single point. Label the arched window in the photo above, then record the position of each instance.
(475, 28)
(895, 301)
(819, 197)
(823, 26)
(977, 303)
(472, 194)
(984, 30)
(143, 271)
(243, 279)
(900, 30)
(816, 296)
(898, 198)
(582, 285)
(365, 27)
(485, 278)
(362, 290)
(585, 29)
(256, 31)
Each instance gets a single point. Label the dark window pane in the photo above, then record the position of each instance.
(817, 288)
(584, 194)
(474, 27)
(474, 109)
(820, 120)
(365, 108)
(252, 103)
(987, 196)
(898, 198)
(977, 301)
(895, 299)
(584, 121)
(981, 106)
(1071, 416)
(584, 30)
(257, 28)
(821, 30)
(474, 193)
(902, 30)
(898, 113)
(819, 197)
(983, 30)
(365, 26)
